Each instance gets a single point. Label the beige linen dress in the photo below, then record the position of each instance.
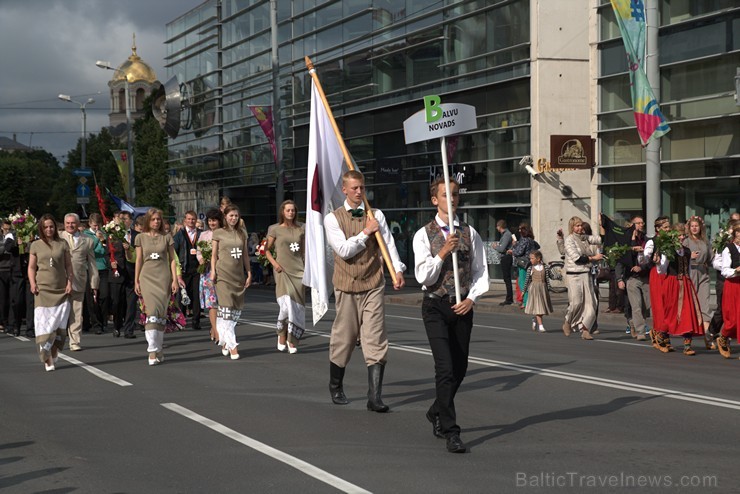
(230, 275)
(155, 278)
(291, 296)
(51, 305)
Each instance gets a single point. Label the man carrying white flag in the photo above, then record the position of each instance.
(324, 194)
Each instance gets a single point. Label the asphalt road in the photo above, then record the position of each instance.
(539, 412)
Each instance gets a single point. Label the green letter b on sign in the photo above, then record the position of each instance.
(432, 108)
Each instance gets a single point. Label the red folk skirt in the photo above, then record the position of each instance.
(681, 312)
(731, 307)
(656, 299)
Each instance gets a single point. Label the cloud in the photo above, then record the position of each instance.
(50, 47)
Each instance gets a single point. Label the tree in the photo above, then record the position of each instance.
(150, 153)
(31, 180)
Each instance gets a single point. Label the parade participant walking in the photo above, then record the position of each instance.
(97, 308)
(207, 291)
(632, 271)
(681, 311)
(7, 239)
(358, 289)
(448, 324)
(288, 238)
(82, 250)
(155, 280)
(537, 285)
(503, 247)
(662, 223)
(697, 243)
(521, 249)
(186, 242)
(582, 302)
(126, 265)
(51, 279)
(731, 296)
(231, 275)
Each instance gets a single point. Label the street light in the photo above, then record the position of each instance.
(68, 99)
(130, 153)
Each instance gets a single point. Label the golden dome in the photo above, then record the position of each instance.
(135, 69)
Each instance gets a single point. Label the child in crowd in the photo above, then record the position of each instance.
(537, 285)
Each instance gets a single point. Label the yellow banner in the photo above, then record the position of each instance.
(121, 157)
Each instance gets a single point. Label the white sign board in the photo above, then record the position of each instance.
(438, 120)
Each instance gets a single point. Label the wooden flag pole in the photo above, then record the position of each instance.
(351, 166)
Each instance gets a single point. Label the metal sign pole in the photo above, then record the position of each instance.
(450, 213)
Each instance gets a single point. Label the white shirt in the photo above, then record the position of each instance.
(347, 248)
(727, 270)
(428, 268)
(661, 266)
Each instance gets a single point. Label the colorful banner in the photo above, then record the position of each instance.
(651, 123)
(263, 114)
(325, 168)
(121, 157)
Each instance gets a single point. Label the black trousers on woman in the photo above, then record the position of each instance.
(449, 339)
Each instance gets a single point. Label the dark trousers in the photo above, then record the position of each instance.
(715, 324)
(22, 302)
(449, 339)
(616, 296)
(117, 294)
(506, 264)
(132, 309)
(97, 312)
(192, 286)
(6, 284)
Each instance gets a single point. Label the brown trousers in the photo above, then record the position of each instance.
(360, 314)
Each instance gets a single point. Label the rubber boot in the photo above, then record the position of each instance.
(336, 377)
(375, 388)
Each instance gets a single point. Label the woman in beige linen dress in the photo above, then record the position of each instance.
(288, 238)
(50, 280)
(229, 263)
(155, 280)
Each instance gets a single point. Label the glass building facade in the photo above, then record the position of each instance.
(699, 52)
(376, 59)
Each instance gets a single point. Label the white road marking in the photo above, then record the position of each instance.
(95, 371)
(263, 448)
(581, 378)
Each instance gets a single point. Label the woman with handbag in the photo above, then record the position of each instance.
(582, 299)
(523, 246)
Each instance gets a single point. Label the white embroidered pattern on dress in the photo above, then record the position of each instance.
(236, 253)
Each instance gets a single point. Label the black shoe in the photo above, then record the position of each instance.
(436, 426)
(116, 333)
(196, 328)
(17, 332)
(99, 331)
(375, 388)
(336, 389)
(455, 444)
(506, 302)
(29, 334)
(129, 336)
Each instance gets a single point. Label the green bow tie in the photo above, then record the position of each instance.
(357, 213)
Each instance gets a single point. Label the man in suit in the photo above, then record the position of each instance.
(186, 241)
(126, 264)
(84, 268)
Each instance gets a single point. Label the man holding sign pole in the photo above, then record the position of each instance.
(448, 323)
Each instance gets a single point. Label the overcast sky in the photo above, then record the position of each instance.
(48, 47)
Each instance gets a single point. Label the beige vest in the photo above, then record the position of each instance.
(364, 271)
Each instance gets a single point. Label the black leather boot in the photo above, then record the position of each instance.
(375, 388)
(336, 377)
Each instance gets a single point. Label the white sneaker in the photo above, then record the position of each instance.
(542, 329)
(534, 324)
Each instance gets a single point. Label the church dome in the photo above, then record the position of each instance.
(135, 69)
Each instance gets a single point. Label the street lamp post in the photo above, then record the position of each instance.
(130, 140)
(68, 99)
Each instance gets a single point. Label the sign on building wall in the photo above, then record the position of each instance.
(571, 152)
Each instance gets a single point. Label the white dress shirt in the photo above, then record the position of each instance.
(428, 268)
(727, 270)
(347, 248)
(662, 265)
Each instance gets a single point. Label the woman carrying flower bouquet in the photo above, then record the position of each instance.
(207, 292)
(681, 311)
(655, 280)
(731, 297)
(155, 280)
(50, 278)
(288, 238)
(231, 276)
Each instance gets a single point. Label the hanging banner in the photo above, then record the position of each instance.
(121, 157)
(263, 114)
